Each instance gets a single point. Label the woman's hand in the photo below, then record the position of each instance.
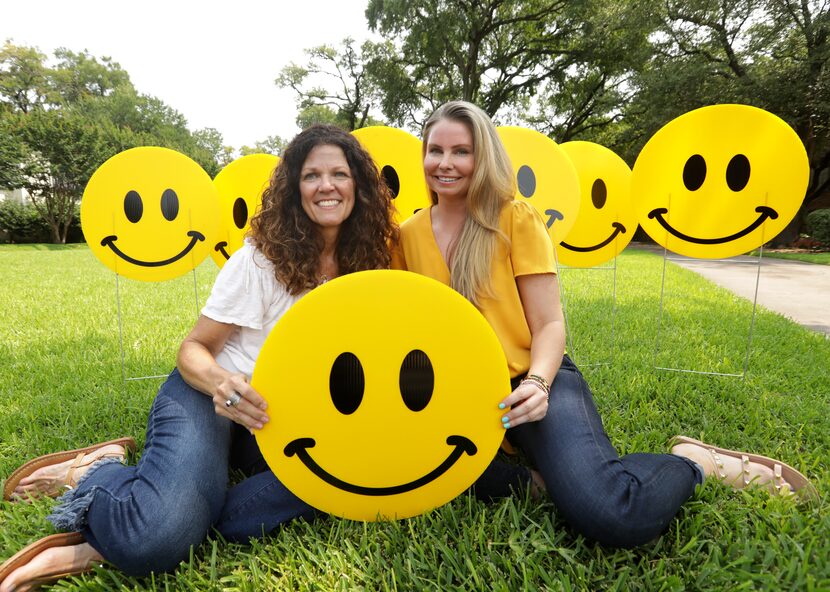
(529, 402)
(197, 363)
(249, 412)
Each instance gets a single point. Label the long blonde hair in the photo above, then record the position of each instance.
(492, 186)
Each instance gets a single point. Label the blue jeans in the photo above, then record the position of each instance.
(146, 518)
(617, 501)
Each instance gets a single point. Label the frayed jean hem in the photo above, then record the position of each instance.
(70, 513)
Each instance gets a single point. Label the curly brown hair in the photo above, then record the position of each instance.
(285, 235)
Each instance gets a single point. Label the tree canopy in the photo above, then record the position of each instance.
(335, 86)
(61, 119)
(610, 71)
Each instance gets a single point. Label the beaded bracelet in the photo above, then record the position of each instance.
(537, 384)
(540, 379)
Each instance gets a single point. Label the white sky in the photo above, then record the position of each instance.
(214, 62)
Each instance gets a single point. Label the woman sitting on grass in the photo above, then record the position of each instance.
(496, 252)
(325, 214)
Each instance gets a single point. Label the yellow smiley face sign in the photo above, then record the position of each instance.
(397, 155)
(150, 214)
(719, 181)
(545, 178)
(373, 419)
(240, 186)
(606, 220)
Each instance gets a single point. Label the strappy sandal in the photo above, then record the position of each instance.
(33, 465)
(785, 481)
(24, 556)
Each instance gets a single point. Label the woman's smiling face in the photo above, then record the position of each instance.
(327, 186)
(449, 160)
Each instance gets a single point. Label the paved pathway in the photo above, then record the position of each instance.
(800, 291)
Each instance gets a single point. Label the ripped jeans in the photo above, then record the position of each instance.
(617, 501)
(145, 518)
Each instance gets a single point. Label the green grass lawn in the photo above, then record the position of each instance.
(819, 258)
(61, 387)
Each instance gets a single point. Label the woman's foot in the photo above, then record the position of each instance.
(53, 480)
(742, 469)
(50, 474)
(537, 485)
(53, 563)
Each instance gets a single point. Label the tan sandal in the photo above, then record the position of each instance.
(24, 556)
(33, 465)
(785, 481)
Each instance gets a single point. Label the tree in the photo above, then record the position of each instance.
(80, 75)
(23, 77)
(586, 99)
(11, 151)
(59, 123)
(563, 67)
(60, 151)
(270, 145)
(492, 53)
(211, 142)
(345, 94)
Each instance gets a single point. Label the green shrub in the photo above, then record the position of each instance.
(21, 223)
(818, 224)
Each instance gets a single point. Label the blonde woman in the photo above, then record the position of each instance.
(496, 252)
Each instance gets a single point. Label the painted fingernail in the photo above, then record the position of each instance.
(502, 405)
(505, 419)
(506, 425)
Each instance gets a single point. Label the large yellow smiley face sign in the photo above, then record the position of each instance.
(374, 414)
(545, 178)
(397, 155)
(150, 214)
(719, 181)
(606, 220)
(240, 186)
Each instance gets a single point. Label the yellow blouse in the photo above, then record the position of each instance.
(530, 252)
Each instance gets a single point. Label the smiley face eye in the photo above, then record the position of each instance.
(599, 193)
(346, 383)
(169, 204)
(526, 179)
(737, 172)
(240, 213)
(133, 207)
(390, 175)
(417, 380)
(694, 173)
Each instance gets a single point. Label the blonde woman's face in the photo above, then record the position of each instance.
(449, 160)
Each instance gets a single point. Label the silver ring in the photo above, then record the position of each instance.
(233, 400)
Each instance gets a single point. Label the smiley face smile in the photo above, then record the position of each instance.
(766, 212)
(300, 447)
(618, 228)
(109, 241)
(220, 248)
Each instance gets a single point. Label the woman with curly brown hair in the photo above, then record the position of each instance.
(326, 213)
